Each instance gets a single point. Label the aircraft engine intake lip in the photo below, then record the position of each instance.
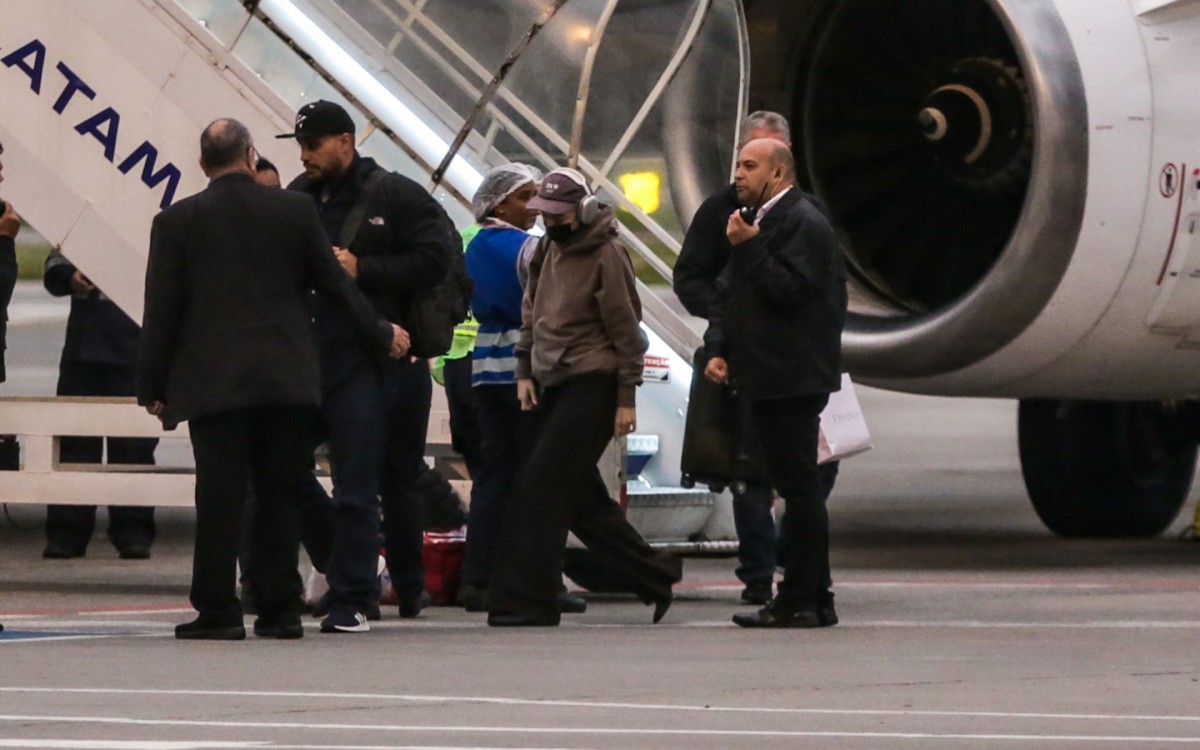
(949, 139)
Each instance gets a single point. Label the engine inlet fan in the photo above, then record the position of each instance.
(917, 132)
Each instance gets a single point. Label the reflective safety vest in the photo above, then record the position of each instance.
(465, 332)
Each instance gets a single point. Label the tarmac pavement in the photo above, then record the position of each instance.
(964, 625)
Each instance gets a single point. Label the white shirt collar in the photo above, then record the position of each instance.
(771, 203)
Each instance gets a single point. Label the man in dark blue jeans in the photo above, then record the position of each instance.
(391, 237)
(408, 395)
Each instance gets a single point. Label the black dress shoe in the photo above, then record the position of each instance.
(202, 629)
(411, 606)
(56, 551)
(757, 593)
(284, 627)
(515, 620)
(570, 604)
(774, 617)
(474, 598)
(134, 552)
(827, 615)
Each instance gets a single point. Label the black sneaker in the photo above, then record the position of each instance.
(342, 620)
(757, 593)
(570, 603)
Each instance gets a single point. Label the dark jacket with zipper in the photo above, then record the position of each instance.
(706, 250)
(98, 332)
(780, 306)
(400, 244)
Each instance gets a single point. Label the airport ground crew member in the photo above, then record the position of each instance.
(99, 358)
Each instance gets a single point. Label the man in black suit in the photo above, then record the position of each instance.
(775, 327)
(227, 344)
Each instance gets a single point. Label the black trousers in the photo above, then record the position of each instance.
(466, 434)
(71, 526)
(560, 489)
(269, 447)
(509, 435)
(788, 429)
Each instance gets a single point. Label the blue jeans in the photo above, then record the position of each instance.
(755, 525)
(353, 413)
(408, 393)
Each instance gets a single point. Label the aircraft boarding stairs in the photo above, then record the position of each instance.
(104, 102)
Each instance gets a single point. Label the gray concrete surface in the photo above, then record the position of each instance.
(964, 625)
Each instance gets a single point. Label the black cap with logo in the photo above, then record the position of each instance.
(321, 118)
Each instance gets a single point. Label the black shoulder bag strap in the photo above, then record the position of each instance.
(358, 211)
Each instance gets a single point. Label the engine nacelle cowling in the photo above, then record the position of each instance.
(1016, 184)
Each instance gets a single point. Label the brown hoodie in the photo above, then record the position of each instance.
(581, 311)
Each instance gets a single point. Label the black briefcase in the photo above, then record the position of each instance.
(720, 448)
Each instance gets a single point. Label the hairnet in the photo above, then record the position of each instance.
(499, 183)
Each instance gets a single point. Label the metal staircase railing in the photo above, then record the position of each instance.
(417, 71)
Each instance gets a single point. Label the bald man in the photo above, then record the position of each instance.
(775, 326)
(704, 255)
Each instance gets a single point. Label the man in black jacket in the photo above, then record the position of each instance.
(704, 255)
(10, 225)
(395, 239)
(98, 359)
(775, 327)
(227, 344)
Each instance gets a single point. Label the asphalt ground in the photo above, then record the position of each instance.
(964, 625)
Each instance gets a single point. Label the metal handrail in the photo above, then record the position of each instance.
(672, 327)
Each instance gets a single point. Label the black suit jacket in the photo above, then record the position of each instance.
(226, 323)
(781, 305)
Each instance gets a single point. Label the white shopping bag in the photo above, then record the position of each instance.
(844, 431)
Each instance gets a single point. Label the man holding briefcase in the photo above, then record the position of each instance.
(775, 327)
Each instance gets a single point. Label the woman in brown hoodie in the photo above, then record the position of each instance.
(579, 362)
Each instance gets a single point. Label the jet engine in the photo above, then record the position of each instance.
(1016, 186)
